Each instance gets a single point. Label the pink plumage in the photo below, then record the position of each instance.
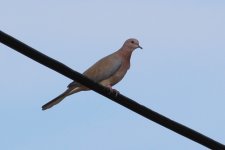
(107, 71)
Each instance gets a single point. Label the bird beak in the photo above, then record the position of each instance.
(140, 47)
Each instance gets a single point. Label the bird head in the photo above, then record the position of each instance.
(132, 44)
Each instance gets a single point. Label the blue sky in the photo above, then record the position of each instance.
(180, 73)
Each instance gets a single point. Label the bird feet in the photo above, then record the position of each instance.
(111, 90)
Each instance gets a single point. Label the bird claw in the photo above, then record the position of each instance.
(113, 91)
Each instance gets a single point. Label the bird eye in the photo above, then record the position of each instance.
(132, 41)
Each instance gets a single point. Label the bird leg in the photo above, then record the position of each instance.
(111, 90)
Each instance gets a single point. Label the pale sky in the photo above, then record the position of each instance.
(180, 73)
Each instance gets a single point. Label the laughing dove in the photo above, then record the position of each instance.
(107, 71)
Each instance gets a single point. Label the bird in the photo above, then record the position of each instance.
(108, 71)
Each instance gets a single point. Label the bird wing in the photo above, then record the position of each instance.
(103, 69)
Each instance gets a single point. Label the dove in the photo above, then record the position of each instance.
(108, 71)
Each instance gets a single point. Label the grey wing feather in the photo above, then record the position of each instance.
(73, 84)
(102, 69)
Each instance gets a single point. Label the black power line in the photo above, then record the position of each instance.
(120, 99)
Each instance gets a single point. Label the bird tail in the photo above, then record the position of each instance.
(59, 98)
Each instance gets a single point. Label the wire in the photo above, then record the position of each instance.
(120, 99)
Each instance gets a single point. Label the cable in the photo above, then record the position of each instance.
(120, 99)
